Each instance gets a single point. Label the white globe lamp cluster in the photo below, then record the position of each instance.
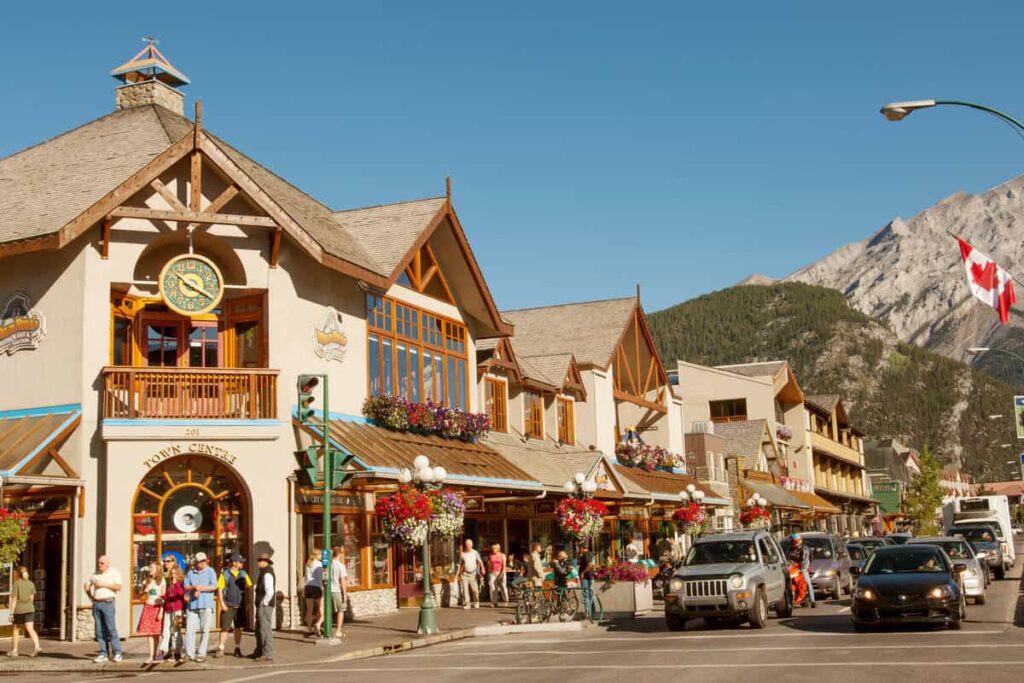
(580, 484)
(422, 472)
(691, 493)
(756, 500)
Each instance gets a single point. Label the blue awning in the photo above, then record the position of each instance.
(29, 440)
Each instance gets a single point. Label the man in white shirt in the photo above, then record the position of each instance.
(102, 588)
(339, 589)
(266, 608)
(470, 568)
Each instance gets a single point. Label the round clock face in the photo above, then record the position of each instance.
(191, 284)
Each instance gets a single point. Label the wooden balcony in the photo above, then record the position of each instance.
(836, 450)
(189, 393)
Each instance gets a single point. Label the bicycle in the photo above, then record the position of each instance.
(531, 605)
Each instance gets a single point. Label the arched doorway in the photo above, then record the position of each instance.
(187, 504)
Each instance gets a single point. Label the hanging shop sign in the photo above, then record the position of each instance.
(344, 500)
(190, 449)
(21, 326)
(546, 508)
(329, 341)
(191, 284)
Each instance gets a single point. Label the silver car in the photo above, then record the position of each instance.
(961, 552)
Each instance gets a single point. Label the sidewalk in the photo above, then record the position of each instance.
(363, 638)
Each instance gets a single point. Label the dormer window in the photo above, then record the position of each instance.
(497, 404)
(533, 415)
(566, 421)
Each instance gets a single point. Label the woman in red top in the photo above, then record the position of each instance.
(497, 565)
(174, 610)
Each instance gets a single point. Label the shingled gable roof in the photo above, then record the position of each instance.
(766, 369)
(588, 330)
(743, 437)
(46, 188)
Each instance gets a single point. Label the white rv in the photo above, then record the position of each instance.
(982, 509)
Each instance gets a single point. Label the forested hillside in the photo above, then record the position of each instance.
(891, 388)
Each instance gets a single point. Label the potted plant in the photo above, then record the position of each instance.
(624, 589)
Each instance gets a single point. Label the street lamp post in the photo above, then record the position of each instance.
(990, 349)
(897, 111)
(425, 478)
(580, 487)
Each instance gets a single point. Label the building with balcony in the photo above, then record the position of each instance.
(838, 459)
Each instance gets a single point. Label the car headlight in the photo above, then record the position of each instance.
(864, 594)
(736, 581)
(940, 592)
(828, 573)
(970, 571)
(675, 585)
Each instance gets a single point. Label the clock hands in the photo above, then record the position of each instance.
(193, 286)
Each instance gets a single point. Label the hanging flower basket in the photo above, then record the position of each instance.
(448, 514)
(756, 518)
(394, 412)
(403, 516)
(580, 520)
(13, 535)
(690, 518)
(646, 457)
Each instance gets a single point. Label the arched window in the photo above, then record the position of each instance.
(185, 505)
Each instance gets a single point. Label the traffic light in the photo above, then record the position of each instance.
(306, 385)
(307, 461)
(340, 475)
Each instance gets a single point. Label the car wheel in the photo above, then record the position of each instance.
(848, 588)
(957, 622)
(784, 607)
(674, 622)
(758, 616)
(837, 591)
(979, 599)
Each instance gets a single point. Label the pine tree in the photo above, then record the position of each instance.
(925, 496)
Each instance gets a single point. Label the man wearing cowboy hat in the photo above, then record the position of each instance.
(266, 608)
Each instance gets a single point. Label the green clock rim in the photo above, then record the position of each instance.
(174, 307)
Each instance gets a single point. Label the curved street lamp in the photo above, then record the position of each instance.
(991, 349)
(897, 111)
(425, 478)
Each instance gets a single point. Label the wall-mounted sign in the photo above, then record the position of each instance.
(329, 341)
(347, 500)
(191, 448)
(191, 284)
(1018, 415)
(21, 326)
(547, 507)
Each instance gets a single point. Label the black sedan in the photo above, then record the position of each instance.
(871, 543)
(909, 584)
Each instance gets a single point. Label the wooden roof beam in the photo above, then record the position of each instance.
(193, 217)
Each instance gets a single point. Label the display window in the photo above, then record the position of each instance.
(186, 505)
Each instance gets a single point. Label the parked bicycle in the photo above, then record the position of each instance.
(537, 605)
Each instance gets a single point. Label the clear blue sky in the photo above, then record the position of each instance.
(593, 145)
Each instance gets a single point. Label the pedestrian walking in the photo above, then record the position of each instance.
(200, 585)
(585, 563)
(174, 613)
(470, 569)
(23, 611)
(339, 590)
(231, 586)
(102, 589)
(497, 565)
(536, 569)
(151, 620)
(560, 567)
(266, 608)
(313, 592)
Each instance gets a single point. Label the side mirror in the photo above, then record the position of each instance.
(959, 568)
(855, 570)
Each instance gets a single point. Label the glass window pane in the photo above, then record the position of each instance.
(428, 376)
(461, 386)
(402, 361)
(438, 378)
(248, 344)
(387, 367)
(414, 373)
(122, 341)
(374, 365)
(451, 383)
(355, 538)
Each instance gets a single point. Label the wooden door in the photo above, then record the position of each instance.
(409, 577)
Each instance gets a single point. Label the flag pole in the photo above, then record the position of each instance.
(957, 237)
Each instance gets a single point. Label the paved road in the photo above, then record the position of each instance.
(815, 645)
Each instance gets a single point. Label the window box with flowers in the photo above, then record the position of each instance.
(398, 414)
(625, 590)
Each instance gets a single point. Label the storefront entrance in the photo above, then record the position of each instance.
(186, 505)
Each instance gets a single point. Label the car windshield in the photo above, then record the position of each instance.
(871, 542)
(957, 550)
(821, 548)
(721, 551)
(974, 534)
(907, 560)
(856, 552)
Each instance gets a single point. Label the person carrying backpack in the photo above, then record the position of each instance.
(231, 585)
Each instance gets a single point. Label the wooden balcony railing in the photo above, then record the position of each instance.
(189, 393)
(836, 449)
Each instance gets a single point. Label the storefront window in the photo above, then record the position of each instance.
(186, 505)
(353, 526)
(545, 533)
(381, 555)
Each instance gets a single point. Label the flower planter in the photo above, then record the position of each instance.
(624, 599)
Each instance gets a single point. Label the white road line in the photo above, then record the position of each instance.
(845, 610)
(798, 648)
(717, 635)
(635, 667)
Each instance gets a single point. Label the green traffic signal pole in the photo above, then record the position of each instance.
(327, 555)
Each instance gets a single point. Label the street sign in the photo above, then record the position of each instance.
(325, 557)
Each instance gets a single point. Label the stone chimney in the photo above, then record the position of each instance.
(149, 78)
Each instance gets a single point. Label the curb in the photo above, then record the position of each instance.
(503, 629)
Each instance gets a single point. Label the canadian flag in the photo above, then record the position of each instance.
(987, 281)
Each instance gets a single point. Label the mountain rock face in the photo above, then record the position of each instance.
(909, 275)
(890, 388)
